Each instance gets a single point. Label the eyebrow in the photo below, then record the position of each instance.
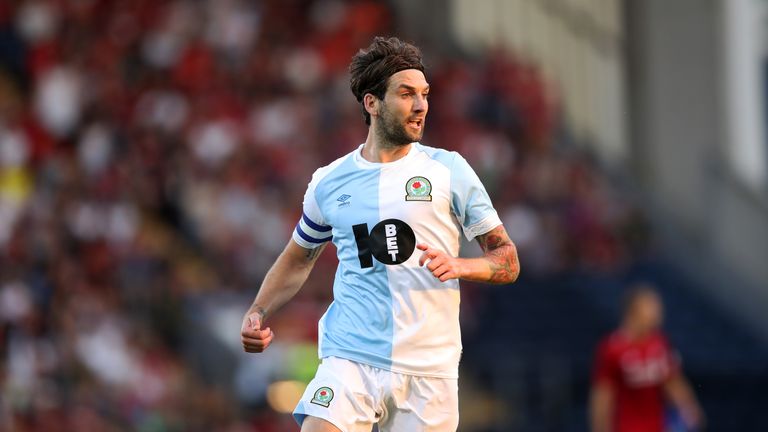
(411, 88)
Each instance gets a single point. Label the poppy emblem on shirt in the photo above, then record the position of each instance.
(418, 189)
(323, 396)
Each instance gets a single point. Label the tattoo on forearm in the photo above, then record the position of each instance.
(501, 255)
(314, 253)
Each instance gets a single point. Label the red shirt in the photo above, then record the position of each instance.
(636, 370)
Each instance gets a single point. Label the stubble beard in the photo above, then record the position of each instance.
(393, 134)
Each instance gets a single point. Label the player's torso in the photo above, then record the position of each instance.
(388, 311)
(645, 364)
(379, 213)
(644, 367)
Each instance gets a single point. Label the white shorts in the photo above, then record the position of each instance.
(353, 396)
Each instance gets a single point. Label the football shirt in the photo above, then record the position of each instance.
(388, 311)
(636, 370)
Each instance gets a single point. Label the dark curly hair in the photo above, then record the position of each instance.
(371, 67)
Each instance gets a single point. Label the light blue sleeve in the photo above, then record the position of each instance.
(470, 201)
(311, 231)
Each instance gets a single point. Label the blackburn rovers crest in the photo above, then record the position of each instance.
(323, 396)
(418, 189)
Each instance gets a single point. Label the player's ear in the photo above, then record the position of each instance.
(371, 104)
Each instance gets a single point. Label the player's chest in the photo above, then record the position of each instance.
(411, 195)
(644, 367)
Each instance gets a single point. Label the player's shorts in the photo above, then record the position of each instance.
(353, 396)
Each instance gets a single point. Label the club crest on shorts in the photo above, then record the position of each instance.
(418, 189)
(323, 396)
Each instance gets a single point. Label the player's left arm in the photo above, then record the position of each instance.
(679, 392)
(497, 265)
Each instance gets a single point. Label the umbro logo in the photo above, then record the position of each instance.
(344, 200)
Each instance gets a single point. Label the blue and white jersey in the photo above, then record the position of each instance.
(388, 311)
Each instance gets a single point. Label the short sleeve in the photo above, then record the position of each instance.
(470, 201)
(311, 231)
(606, 368)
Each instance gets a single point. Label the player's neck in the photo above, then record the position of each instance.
(634, 332)
(378, 151)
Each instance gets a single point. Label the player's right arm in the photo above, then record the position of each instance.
(602, 399)
(601, 404)
(282, 282)
(289, 272)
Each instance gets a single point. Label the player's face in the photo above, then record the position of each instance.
(649, 311)
(403, 112)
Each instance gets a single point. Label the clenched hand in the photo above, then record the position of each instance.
(255, 340)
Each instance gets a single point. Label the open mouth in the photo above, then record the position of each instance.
(416, 123)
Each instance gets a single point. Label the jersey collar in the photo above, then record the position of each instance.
(365, 164)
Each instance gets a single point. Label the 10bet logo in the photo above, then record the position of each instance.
(391, 242)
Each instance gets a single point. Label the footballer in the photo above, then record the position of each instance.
(395, 209)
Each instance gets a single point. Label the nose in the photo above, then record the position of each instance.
(420, 104)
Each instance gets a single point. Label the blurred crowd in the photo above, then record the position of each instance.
(153, 158)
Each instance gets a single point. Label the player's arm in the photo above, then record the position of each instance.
(282, 282)
(498, 264)
(601, 404)
(679, 392)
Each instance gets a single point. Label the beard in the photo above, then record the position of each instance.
(394, 133)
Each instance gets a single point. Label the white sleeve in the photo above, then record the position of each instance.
(470, 201)
(311, 231)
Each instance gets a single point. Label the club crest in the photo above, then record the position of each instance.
(323, 396)
(418, 189)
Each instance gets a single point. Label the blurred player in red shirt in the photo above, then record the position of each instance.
(636, 372)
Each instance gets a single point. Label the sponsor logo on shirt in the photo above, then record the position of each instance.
(643, 372)
(390, 241)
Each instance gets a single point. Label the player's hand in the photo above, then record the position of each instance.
(693, 418)
(442, 265)
(255, 340)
